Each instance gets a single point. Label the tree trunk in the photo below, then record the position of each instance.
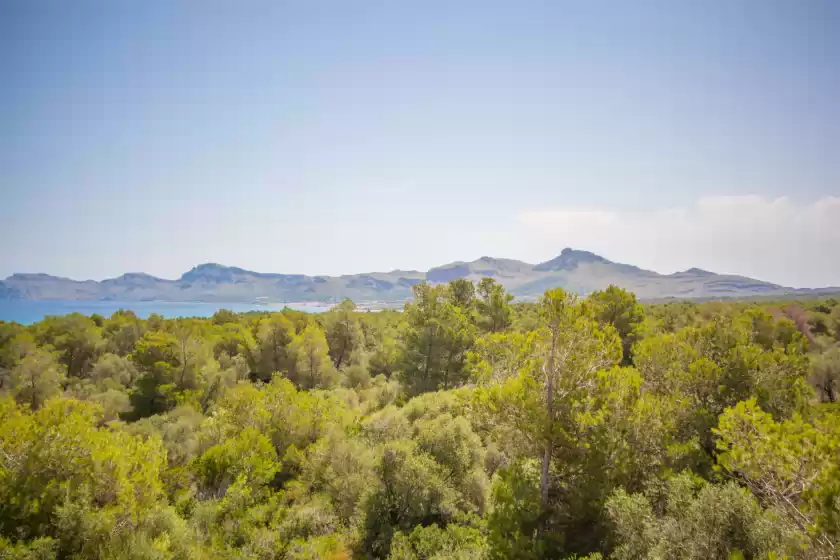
(428, 362)
(313, 364)
(448, 370)
(549, 405)
(340, 357)
(71, 357)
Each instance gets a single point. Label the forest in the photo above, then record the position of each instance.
(466, 426)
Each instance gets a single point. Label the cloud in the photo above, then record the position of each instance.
(770, 239)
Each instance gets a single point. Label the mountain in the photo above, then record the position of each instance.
(579, 271)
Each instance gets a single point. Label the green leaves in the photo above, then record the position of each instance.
(313, 367)
(792, 465)
(514, 522)
(249, 456)
(686, 518)
(274, 335)
(465, 427)
(455, 542)
(344, 333)
(619, 308)
(825, 375)
(57, 457)
(496, 357)
(493, 306)
(412, 491)
(75, 337)
(36, 378)
(437, 335)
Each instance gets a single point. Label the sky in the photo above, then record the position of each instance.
(353, 136)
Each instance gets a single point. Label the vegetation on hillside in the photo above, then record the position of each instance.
(465, 427)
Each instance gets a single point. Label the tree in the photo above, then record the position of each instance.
(454, 445)
(113, 371)
(66, 478)
(9, 346)
(825, 374)
(496, 357)
(75, 338)
(459, 336)
(223, 317)
(36, 378)
(834, 322)
(436, 337)
(287, 416)
(156, 355)
(175, 367)
(234, 339)
(412, 490)
(462, 294)
(248, 458)
(542, 413)
(575, 348)
(424, 338)
(342, 467)
(180, 432)
(121, 332)
(494, 310)
(685, 517)
(515, 520)
(763, 326)
(343, 332)
(714, 366)
(619, 308)
(792, 466)
(382, 344)
(274, 335)
(192, 354)
(313, 367)
(434, 543)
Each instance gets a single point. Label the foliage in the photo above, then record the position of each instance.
(465, 426)
(791, 466)
(685, 517)
(433, 543)
(36, 378)
(825, 374)
(437, 334)
(313, 367)
(619, 308)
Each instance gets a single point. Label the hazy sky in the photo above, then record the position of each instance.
(349, 136)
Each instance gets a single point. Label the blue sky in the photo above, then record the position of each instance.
(348, 136)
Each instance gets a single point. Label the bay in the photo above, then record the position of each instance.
(27, 312)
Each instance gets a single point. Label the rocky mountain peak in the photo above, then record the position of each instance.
(570, 259)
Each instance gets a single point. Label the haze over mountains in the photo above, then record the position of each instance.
(574, 270)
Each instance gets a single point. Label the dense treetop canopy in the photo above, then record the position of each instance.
(466, 426)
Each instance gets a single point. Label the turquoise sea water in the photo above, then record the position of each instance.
(28, 312)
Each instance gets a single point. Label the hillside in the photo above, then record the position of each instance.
(575, 270)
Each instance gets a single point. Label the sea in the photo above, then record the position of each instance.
(27, 312)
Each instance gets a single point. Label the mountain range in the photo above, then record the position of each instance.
(574, 270)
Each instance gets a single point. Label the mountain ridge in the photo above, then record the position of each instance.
(575, 270)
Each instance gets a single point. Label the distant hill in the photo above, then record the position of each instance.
(579, 271)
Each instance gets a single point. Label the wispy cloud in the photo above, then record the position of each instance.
(772, 239)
